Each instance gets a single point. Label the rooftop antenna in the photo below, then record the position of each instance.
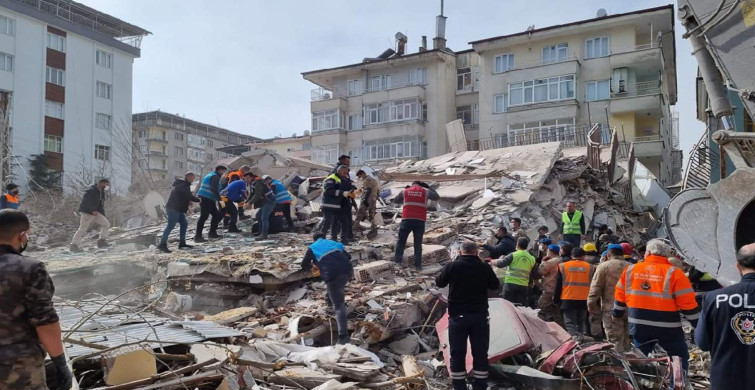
(441, 8)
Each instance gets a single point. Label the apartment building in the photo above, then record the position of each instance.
(68, 69)
(295, 146)
(540, 85)
(166, 145)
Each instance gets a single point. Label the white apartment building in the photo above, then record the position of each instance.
(539, 85)
(166, 146)
(68, 69)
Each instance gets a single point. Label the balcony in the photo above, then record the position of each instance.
(639, 96)
(648, 146)
(157, 139)
(640, 56)
(394, 92)
(549, 68)
(157, 153)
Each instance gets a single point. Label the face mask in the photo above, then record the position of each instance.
(24, 245)
(511, 225)
(106, 188)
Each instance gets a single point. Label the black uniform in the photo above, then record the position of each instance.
(727, 329)
(469, 280)
(503, 247)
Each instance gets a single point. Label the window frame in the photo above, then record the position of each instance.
(354, 122)
(8, 62)
(464, 79)
(10, 26)
(504, 97)
(55, 76)
(504, 67)
(98, 121)
(56, 42)
(528, 90)
(353, 87)
(418, 76)
(598, 40)
(384, 81)
(464, 112)
(328, 118)
(55, 141)
(555, 50)
(102, 86)
(108, 59)
(595, 86)
(102, 152)
(55, 109)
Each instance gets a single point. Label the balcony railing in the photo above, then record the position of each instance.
(157, 153)
(569, 135)
(648, 138)
(319, 94)
(542, 63)
(642, 88)
(157, 139)
(337, 91)
(395, 86)
(629, 49)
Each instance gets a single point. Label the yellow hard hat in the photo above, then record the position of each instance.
(590, 247)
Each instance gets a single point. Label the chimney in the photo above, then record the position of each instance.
(439, 42)
(424, 44)
(401, 40)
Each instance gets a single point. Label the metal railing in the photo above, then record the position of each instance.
(319, 94)
(699, 164)
(594, 140)
(395, 86)
(647, 138)
(637, 89)
(629, 49)
(339, 91)
(543, 63)
(569, 135)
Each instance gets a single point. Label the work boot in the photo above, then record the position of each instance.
(214, 236)
(184, 245)
(199, 239)
(344, 339)
(163, 248)
(102, 244)
(75, 249)
(262, 236)
(234, 230)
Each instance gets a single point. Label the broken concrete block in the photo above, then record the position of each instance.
(300, 377)
(297, 294)
(259, 332)
(407, 346)
(370, 271)
(128, 364)
(481, 202)
(231, 316)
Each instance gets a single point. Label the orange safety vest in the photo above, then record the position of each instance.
(576, 276)
(11, 200)
(415, 203)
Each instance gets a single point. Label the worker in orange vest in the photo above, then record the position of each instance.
(654, 292)
(9, 200)
(572, 288)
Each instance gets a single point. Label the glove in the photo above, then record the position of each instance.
(352, 195)
(347, 194)
(222, 204)
(224, 198)
(63, 373)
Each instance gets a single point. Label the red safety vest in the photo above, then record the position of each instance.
(415, 203)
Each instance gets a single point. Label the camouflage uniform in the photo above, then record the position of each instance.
(520, 234)
(600, 302)
(548, 270)
(367, 206)
(26, 292)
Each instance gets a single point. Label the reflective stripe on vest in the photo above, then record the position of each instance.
(333, 202)
(572, 226)
(323, 247)
(415, 203)
(11, 201)
(576, 275)
(205, 190)
(520, 268)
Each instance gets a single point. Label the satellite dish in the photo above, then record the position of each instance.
(602, 13)
(306, 132)
(400, 36)
(154, 205)
(531, 27)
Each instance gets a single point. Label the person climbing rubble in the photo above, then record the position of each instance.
(547, 271)
(235, 193)
(345, 221)
(413, 217)
(468, 279)
(572, 289)
(368, 203)
(178, 204)
(92, 210)
(283, 199)
(334, 265)
(266, 201)
(332, 205)
(229, 178)
(210, 204)
(9, 200)
(520, 266)
(573, 225)
(601, 297)
(505, 245)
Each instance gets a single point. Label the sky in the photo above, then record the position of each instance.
(237, 64)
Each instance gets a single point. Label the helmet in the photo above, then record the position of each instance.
(590, 247)
(627, 247)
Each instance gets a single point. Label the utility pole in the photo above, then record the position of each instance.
(5, 152)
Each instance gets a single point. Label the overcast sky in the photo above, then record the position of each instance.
(237, 64)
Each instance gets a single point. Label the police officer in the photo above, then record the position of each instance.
(727, 328)
(30, 326)
(332, 204)
(521, 264)
(334, 264)
(468, 279)
(601, 298)
(413, 217)
(209, 200)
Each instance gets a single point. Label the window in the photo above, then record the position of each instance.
(54, 109)
(103, 121)
(541, 90)
(142, 133)
(6, 62)
(500, 103)
(7, 26)
(476, 114)
(597, 47)
(53, 143)
(418, 76)
(210, 157)
(197, 141)
(102, 152)
(355, 87)
(196, 154)
(104, 59)
(56, 76)
(355, 122)
(326, 120)
(391, 148)
(464, 79)
(597, 90)
(542, 131)
(178, 151)
(504, 62)
(405, 109)
(372, 114)
(555, 53)
(380, 83)
(465, 114)
(179, 137)
(179, 165)
(104, 90)
(56, 42)
(210, 143)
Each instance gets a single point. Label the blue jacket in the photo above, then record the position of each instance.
(330, 257)
(281, 193)
(727, 329)
(210, 188)
(236, 191)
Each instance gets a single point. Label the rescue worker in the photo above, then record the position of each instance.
(413, 217)
(505, 245)
(572, 287)
(727, 328)
(548, 270)
(572, 225)
(703, 283)
(515, 224)
(368, 203)
(520, 263)
(654, 293)
(343, 160)
(230, 178)
(542, 249)
(209, 195)
(267, 205)
(283, 199)
(601, 298)
(591, 253)
(543, 231)
(9, 200)
(346, 221)
(628, 252)
(178, 204)
(30, 325)
(332, 202)
(468, 279)
(92, 210)
(334, 265)
(235, 192)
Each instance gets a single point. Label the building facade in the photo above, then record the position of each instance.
(68, 69)
(166, 145)
(540, 85)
